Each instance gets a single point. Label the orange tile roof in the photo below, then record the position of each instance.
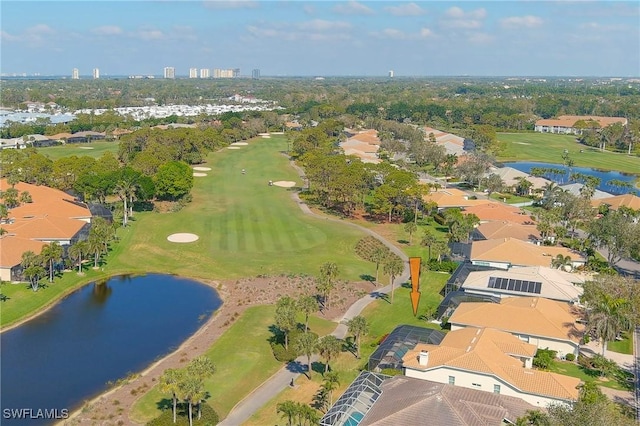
(366, 136)
(487, 351)
(452, 197)
(534, 316)
(503, 229)
(45, 228)
(519, 253)
(12, 247)
(59, 136)
(570, 120)
(630, 201)
(498, 211)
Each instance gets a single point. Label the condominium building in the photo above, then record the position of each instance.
(193, 72)
(226, 73)
(96, 73)
(75, 74)
(255, 73)
(205, 73)
(169, 72)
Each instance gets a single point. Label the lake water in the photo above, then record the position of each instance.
(605, 176)
(98, 334)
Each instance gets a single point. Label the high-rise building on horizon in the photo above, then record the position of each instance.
(169, 72)
(390, 73)
(193, 72)
(75, 74)
(96, 73)
(205, 73)
(226, 73)
(255, 73)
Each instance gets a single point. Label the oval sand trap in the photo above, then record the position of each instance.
(202, 169)
(85, 147)
(266, 136)
(182, 237)
(233, 147)
(199, 174)
(239, 144)
(285, 183)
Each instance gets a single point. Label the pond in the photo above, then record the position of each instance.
(98, 334)
(562, 179)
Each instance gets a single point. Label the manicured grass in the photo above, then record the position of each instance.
(574, 370)
(624, 346)
(510, 198)
(549, 148)
(80, 149)
(246, 228)
(243, 360)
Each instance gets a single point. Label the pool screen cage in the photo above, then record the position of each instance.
(401, 340)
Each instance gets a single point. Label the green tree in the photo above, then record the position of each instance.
(492, 183)
(329, 347)
(192, 391)
(608, 316)
(330, 383)
(379, 254)
(616, 232)
(170, 383)
(328, 273)
(32, 265)
(562, 262)
(76, 253)
(307, 305)
(305, 345)
(285, 317)
(173, 180)
(359, 327)
(428, 240)
(50, 254)
(393, 266)
(288, 409)
(201, 368)
(410, 228)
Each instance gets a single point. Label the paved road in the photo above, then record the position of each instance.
(288, 374)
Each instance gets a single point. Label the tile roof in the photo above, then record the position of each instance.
(406, 401)
(452, 197)
(570, 120)
(574, 188)
(499, 211)
(535, 316)
(519, 253)
(556, 284)
(627, 200)
(482, 350)
(503, 229)
(45, 228)
(12, 248)
(369, 136)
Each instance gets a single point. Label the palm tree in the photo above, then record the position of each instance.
(33, 270)
(95, 247)
(285, 317)
(170, 383)
(428, 240)
(331, 383)
(76, 253)
(201, 368)
(289, 409)
(192, 390)
(562, 262)
(358, 327)
(307, 305)
(410, 228)
(328, 273)
(523, 186)
(608, 317)
(393, 267)
(378, 255)
(329, 346)
(52, 253)
(306, 345)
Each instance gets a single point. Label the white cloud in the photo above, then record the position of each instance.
(516, 22)
(149, 34)
(595, 26)
(5, 36)
(480, 38)
(352, 8)
(322, 25)
(107, 30)
(230, 4)
(315, 30)
(394, 34)
(409, 9)
(458, 18)
(426, 32)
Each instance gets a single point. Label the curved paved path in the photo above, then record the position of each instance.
(284, 377)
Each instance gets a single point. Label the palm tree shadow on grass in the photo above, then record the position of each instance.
(164, 404)
(367, 277)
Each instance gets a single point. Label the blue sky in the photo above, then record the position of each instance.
(298, 38)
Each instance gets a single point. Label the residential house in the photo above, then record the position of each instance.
(500, 229)
(629, 201)
(538, 281)
(566, 124)
(541, 322)
(492, 361)
(364, 145)
(455, 145)
(577, 188)
(447, 198)
(494, 211)
(511, 178)
(508, 252)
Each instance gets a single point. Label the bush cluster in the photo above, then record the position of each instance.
(442, 266)
(209, 417)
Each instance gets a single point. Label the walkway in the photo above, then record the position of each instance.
(289, 373)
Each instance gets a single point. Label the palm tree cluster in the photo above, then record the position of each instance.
(297, 413)
(373, 250)
(187, 385)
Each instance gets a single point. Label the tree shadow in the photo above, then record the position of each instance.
(405, 285)
(380, 296)
(4, 298)
(297, 367)
(367, 277)
(165, 404)
(402, 241)
(318, 367)
(349, 345)
(277, 336)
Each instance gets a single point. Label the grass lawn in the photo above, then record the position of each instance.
(243, 360)
(246, 228)
(624, 346)
(510, 198)
(574, 370)
(80, 149)
(549, 148)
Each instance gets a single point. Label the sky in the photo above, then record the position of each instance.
(322, 38)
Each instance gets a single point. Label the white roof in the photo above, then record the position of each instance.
(574, 188)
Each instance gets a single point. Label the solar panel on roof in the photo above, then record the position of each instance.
(511, 284)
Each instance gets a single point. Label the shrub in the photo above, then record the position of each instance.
(209, 417)
(439, 219)
(570, 357)
(544, 359)
(391, 372)
(442, 266)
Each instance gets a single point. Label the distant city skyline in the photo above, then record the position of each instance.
(322, 38)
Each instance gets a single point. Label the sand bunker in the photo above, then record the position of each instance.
(285, 183)
(182, 238)
(239, 144)
(202, 169)
(233, 147)
(263, 134)
(85, 147)
(266, 136)
(199, 174)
